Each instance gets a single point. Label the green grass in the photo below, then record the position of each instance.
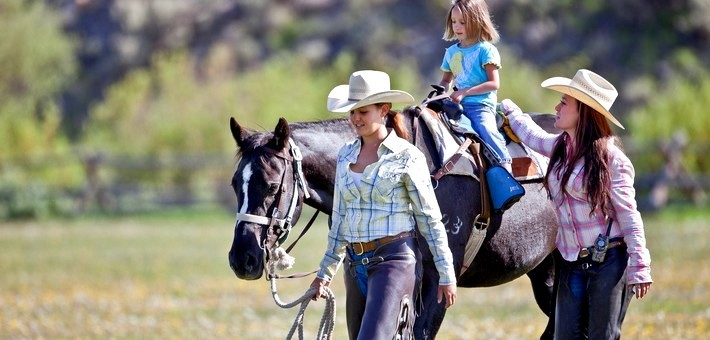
(166, 276)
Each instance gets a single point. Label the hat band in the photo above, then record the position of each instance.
(595, 92)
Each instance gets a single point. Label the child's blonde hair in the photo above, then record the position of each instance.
(477, 18)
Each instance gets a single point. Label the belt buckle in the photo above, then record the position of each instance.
(362, 248)
(584, 253)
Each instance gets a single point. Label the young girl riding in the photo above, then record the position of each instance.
(472, 65)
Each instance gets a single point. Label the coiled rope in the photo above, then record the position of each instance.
(327, 322)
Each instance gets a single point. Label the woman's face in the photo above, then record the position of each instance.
(567, 114)
(369, 119)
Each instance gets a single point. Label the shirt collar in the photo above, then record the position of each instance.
(392, 142)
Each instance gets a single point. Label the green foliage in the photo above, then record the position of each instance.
(679, 107)
(159, 123)
(35, 157)
(520, 82)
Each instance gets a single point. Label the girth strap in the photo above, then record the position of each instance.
(480, 224)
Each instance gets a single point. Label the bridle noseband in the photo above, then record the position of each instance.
(279, 228)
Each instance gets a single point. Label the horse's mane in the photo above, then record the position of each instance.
(336, 124)
(256, 139)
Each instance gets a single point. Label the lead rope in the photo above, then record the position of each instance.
(327, 321)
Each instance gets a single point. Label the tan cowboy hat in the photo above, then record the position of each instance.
(365, 88)
(589, 88)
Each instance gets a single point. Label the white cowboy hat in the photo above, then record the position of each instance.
(589, 88)
(365, 88)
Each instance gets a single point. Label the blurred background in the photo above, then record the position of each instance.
(114, 140)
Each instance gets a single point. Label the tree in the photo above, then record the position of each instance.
(37, 61)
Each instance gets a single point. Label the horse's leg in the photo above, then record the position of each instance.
(542, 279)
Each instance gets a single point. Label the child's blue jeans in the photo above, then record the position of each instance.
(483, 122)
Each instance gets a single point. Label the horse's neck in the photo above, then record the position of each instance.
(321, 140)
(320, 143)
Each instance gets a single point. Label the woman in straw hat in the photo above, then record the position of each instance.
(382, 190)
(601, 245)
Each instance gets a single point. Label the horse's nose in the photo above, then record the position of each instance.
(246, 266)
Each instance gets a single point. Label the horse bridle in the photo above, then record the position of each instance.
(277, 236)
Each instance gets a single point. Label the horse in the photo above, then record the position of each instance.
(297, 162)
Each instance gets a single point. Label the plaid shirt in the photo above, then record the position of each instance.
(394, 195)
(577, 228)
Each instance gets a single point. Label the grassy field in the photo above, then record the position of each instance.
(167, 277)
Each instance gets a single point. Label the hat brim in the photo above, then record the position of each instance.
(563, 85)
(338, 100)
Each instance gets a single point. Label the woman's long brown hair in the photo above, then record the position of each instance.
(592, 137)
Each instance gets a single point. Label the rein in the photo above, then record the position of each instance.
(327, 321)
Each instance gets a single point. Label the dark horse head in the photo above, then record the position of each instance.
(270, 183)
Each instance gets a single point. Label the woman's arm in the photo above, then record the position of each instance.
(627, 215)
(428, 216)
(527, 130)
(335, 251)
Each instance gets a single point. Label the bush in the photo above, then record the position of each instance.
(679, 107)
(36, 160)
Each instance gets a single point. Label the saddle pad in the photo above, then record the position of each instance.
(528, 165)
(447, 146)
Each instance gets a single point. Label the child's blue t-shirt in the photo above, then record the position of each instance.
(467, 65)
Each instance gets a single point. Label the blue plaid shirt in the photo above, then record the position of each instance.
(394, 195)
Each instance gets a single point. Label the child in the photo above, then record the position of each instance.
(473, 65)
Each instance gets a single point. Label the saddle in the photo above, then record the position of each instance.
(528, 165)
(504, 188)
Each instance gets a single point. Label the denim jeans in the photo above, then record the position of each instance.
(483, 122)
(592, 302)
(380, 293)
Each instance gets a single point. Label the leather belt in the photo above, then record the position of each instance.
(586, 251)
(363, 247)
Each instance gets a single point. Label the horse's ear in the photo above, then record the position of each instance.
(281, 134)
(238, 133)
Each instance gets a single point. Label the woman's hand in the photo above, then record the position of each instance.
(319, 284)
(448, 293)
(507, 107)
(640, 289)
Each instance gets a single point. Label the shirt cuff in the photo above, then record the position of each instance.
(638, 275)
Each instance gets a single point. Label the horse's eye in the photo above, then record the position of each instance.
(273, 188)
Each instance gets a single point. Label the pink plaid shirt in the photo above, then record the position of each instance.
(577, 228)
